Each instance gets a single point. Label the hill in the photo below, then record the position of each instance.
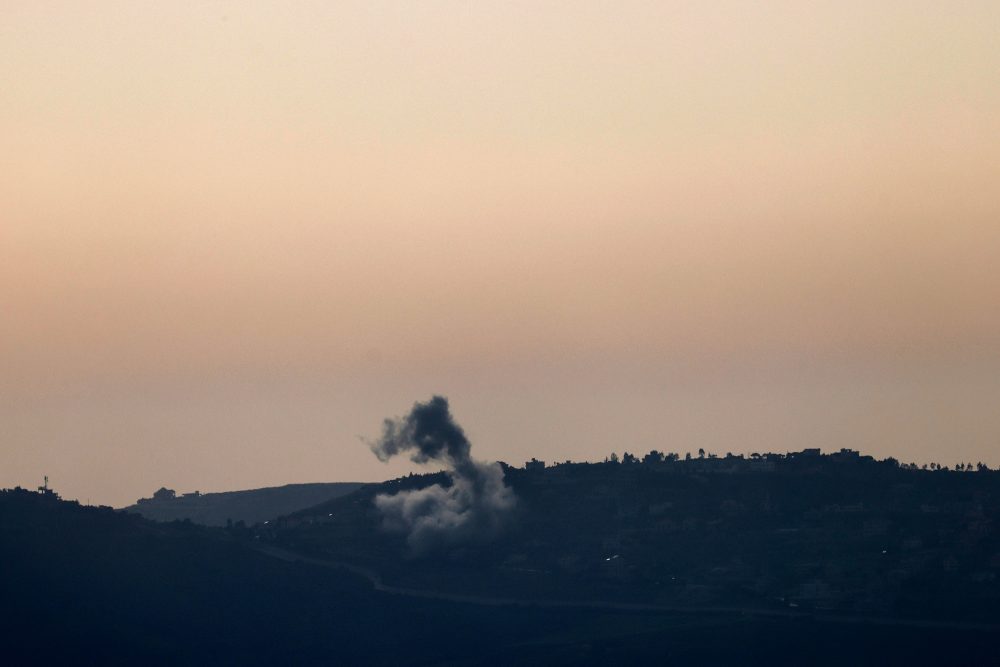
(119, 589)
(250, 506)
(842, 534)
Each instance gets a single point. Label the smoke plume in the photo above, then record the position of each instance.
(472, 508)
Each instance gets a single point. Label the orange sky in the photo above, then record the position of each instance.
(234, 236)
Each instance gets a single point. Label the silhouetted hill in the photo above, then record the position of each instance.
(840, 534)
(95, 586)
(250, 506)
(84, 584)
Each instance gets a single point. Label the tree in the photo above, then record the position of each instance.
(701, 453)
(653, 457)
(164, 493)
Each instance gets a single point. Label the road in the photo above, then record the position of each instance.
(379, 585)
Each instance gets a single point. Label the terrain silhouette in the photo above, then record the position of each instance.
(841, 533)
(771, 564)
(249, 506)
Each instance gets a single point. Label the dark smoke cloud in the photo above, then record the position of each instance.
(472, 508)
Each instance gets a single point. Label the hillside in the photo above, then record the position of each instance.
(250, 506)
(842, 535)
(119, 589)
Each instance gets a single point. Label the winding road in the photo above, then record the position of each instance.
(379, 585)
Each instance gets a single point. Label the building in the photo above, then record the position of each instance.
(534, 465)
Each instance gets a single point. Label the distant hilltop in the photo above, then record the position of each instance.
(807, 459)
(250, 506)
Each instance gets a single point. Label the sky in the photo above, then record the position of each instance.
(235, 236)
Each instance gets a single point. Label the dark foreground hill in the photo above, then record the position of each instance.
(84, 585)
(250, 506)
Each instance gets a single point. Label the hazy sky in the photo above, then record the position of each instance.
(235, 236)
